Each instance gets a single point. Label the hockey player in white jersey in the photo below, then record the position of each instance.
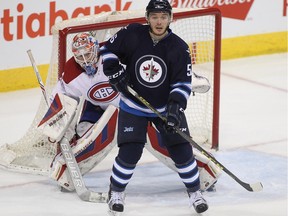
(83, 78)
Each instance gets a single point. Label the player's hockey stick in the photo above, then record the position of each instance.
(250, 187)
(71, 163)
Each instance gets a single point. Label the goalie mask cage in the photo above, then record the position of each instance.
(201, 29)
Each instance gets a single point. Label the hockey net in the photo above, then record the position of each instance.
(201, 29)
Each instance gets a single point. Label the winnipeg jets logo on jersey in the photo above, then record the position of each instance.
(151, 71)
(102, 92)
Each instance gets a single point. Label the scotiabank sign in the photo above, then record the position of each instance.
(236, 9)
(35, 24)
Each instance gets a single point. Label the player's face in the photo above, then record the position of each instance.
(159, 22)
(86, 57)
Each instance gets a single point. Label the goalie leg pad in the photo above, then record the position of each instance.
(82, 128)
(90, 149)
(60, 174)
(208, 171)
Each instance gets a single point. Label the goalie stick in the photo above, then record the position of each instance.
(29, 52)
(250, 187)
(73, 168)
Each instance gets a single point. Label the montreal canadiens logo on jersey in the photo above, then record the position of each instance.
(151, 71)
(102, 92)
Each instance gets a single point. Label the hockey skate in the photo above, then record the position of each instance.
(197, 201)
(115, 202)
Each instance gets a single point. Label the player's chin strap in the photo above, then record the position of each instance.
(73, 168)
(250, 187)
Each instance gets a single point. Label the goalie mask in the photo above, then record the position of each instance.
(85, 50)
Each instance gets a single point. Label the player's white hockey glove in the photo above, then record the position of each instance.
(174, 115)
(118, 78)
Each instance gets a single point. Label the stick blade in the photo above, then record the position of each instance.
(91, 196)
(256, 187)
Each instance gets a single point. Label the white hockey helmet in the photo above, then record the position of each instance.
(85, 50)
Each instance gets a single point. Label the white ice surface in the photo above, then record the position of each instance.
(253, 145)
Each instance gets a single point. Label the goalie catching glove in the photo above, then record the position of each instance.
(200, 84)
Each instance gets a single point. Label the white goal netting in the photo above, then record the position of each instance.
(33, 153)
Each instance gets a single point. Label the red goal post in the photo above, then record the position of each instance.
(201, 29)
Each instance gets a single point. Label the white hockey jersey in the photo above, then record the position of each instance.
(95, 89)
